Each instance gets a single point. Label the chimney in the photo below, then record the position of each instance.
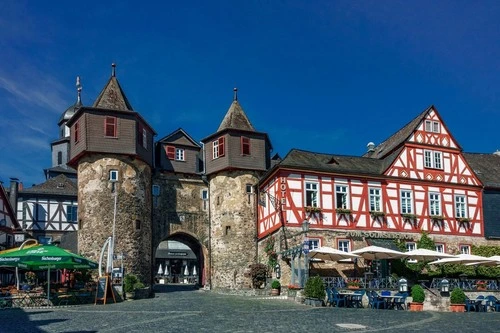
(371, 147)
(14, 188)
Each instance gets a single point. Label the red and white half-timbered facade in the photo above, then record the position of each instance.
(417, 180)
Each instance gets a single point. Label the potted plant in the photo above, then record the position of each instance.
(457, 300)
(481, 285)
(418, 297)
(314, 291)
(258, 274)
(131, 284)
(275, 288)
(292, 290)
(353, 284)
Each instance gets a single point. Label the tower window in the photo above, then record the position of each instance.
(170, 151)
(249, 188)
(156, 190)
(77, 132)
(137, 225)
(110, 127)
(179, 154)
(228, 230)
(59, 158)
(245, 146)
(113, 175)
(218, 148)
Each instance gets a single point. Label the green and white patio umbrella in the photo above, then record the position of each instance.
(45, 257)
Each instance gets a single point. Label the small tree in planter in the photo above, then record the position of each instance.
(457, 300)
(418, 297)
(275, 288)
(315, 291)
(131, 284)
(258, 273)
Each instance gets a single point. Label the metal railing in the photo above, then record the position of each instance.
(375, 283)
(467, 284)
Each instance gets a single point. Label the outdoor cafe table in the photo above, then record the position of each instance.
(347, 295)
(389, 300)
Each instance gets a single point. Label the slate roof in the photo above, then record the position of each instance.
(182, 132)
(60, 185)
(236, 118)
(305, 160)
(486, 167)
(61, 169)
(398, 138)
(112, 97)
(70, 111)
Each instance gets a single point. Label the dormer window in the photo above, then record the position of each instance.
(218, 148)
(110, 127)
(77, 132)
(433, 159)
(432, 126)
(179, 154)
(174, 153)
(245, 145)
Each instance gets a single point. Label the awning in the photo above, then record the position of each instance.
(383, 242)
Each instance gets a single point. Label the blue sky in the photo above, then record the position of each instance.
(325, 76)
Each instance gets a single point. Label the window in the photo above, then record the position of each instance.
(204, 198)
(72, 213)
(375, 200)
(249, 188)
(137, 225)
(312, 194)
(410, 246)
(433, 159)
(156, 190)
(344, 245)
(432, 126)
(142, 136)
(59, 158)
(228, 230)
(44, 240)
(218, 148)
(170, 151)
(77, 132)
(460, 206)
(314, 243)
(341, 197)
(245, 146)
(440, 248)
(434, 204)
(110, 127)
(406, 202)
(113, 175)
(179, 154)
(464, 249)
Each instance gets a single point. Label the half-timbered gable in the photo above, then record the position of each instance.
(49, 209)
(178, 152)
(8, 221)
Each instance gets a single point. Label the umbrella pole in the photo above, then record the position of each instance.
(48, 284)
(17, 278)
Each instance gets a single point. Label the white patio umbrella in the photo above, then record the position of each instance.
(493, 261)
(460, 259)
(160, 270)
(166, 271)
(194, 271)
(427, 255)
(186, 270)
(376, 253)
(331, 254)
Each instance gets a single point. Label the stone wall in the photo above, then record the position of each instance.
(133, 210)
(233, 228)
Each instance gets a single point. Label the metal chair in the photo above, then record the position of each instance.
(357, 299)
(375, 301)
(400, 303)
(334, 298)
(470, 305)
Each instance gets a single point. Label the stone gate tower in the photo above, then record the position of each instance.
(235, 158)
(111, 146)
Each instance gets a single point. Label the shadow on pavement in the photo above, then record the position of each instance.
(173, 287)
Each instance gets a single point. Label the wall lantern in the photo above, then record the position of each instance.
(277, 269)
(445, 286)
(403, 285)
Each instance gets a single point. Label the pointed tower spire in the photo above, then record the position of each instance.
(112, 96)
(235, 117)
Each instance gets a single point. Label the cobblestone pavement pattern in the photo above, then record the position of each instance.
(181, 310)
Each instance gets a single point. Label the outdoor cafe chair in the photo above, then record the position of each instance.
(480, 304)
(470, 305)
(491, 302)
(357, 299)
(334, 298)
(375, 301)
(400, 303)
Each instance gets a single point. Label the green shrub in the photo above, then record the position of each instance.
(276, 284)
(417, 293)
(457, 296)
(130, 282)
(315, 288)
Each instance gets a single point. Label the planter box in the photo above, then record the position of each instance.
(416, 306)
(313, 302)
(457, 307)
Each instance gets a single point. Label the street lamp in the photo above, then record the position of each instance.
(305, 248)
(403, 285)
(445, 286)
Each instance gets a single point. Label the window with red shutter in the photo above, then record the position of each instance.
(221, 146)
(170, 150)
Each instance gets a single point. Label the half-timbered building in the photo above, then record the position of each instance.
(8, 221)
(417, 180)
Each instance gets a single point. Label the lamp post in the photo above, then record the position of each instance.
(403, 285)
(305, 249)
(445, 285)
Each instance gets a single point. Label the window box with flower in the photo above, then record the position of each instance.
(345, 211)
(439, 218)
(376, 214)
(354, 284)
(310, 209)
(481, 285)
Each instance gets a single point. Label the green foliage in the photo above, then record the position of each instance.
(131, 283)
(417, 293)
(276, 284)
(272, 256)
(457, 296)
(315, 288)
(258, 273)
(425, 242)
